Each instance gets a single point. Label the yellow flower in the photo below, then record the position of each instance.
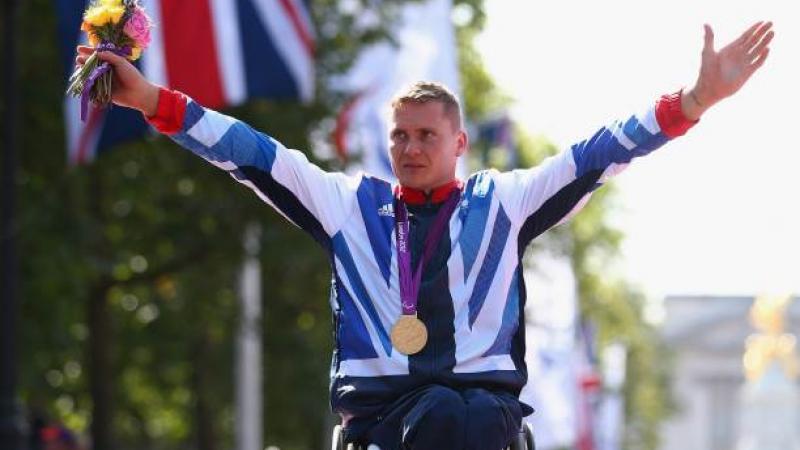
(136, 52)
(116, 13)
(102, 14)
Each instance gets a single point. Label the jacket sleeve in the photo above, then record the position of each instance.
(550, 193)
(312, 199)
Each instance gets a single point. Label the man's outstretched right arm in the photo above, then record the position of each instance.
(314, 200)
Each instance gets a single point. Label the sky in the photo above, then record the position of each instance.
(716, 212)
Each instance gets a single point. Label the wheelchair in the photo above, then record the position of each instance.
(523, 440)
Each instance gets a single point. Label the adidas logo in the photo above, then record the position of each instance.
(386, 210)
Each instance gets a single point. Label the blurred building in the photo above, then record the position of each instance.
(707, 335)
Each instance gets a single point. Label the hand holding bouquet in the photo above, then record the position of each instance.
(118, 26)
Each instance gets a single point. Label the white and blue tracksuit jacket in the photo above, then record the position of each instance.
(477, 292)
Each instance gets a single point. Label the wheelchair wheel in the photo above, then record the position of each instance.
(529, 443)
(521, 440)
(337, 439)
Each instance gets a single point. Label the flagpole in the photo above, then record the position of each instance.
(12, 424)
(249, 396)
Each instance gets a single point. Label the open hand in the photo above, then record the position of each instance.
(130, 89)
(724, 72)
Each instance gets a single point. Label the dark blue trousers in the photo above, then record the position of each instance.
(435, 417)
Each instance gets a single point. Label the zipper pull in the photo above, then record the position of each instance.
(428, 198)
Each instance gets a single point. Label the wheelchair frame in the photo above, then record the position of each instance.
(523, 440)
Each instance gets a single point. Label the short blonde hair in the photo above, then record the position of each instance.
(430, 91)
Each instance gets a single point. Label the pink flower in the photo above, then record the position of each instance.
(138, 28)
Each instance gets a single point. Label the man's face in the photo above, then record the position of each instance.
(425, 145)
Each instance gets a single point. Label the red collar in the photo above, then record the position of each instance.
(417, 197)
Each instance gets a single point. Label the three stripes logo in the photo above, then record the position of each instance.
(386, 210)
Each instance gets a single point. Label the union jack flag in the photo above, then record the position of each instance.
(220, 52)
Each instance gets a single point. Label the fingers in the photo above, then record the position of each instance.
(759, 48)
(111, 57)
(83, 53)
(757, 35)
(747, 34)
(708, 45)
(759, 61)
(120, 63)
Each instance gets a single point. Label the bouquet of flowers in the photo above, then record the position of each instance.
(119, 26)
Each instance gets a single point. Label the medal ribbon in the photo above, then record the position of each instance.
(409, 288)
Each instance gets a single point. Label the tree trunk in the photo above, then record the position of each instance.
(204, 421)
(100, 370)
(12, 426)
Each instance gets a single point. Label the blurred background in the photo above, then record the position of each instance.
(150, 302)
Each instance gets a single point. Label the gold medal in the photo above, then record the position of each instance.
(409, 334)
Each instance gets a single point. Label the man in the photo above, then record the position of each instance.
(427, 276)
